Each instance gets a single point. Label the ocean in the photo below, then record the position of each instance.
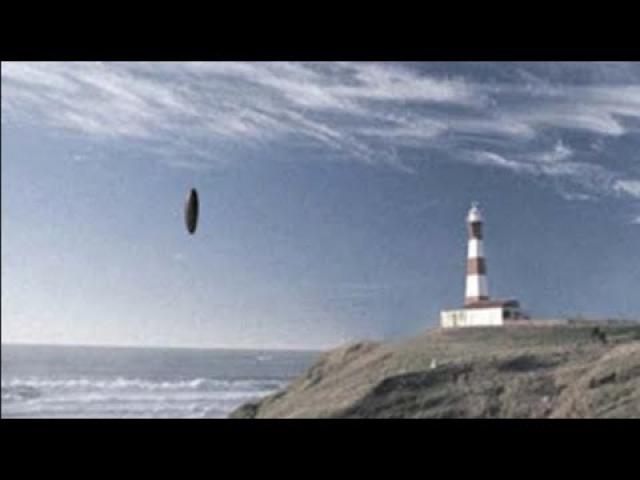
(121, 382)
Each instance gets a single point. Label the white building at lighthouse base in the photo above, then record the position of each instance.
(484, 313)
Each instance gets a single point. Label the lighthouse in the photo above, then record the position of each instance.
(477, 288)
(479, 310)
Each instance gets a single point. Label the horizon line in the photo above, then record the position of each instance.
(164, 347)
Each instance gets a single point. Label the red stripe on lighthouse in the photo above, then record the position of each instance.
(476, 283)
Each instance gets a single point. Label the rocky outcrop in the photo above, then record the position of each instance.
(515, 372)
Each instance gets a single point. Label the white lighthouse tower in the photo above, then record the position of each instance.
(478, 309)
(477, 287)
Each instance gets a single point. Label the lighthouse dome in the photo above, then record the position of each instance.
(474, 213)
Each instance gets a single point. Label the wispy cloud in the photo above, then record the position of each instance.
(628, 187)
(559, 153)
(367, 112)
(491, 159)
(557, 163)
(238, 102)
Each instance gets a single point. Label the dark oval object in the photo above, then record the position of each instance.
(191, 211)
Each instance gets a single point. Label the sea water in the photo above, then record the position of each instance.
(119, 382)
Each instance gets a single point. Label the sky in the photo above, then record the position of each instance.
(333, 197)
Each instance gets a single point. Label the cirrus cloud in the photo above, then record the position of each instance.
(368, 112)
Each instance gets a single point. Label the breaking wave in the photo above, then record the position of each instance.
(120, 383)
(129, 397)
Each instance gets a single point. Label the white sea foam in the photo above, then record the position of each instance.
(88, 382)
(129, 397)
(121, 383)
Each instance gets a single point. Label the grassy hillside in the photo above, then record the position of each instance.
(521, 372)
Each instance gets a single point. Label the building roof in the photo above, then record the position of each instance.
(493, 303)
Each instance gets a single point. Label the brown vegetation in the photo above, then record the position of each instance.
(512, 372)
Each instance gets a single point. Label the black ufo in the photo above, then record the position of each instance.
(191, 211)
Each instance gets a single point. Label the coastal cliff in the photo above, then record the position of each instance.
(515, 372)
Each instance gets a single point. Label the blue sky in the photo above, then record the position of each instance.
(333, 197)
